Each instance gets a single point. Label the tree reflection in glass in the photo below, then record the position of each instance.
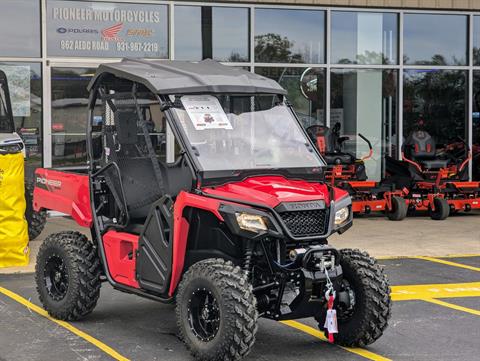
(435, 101)
(289, 36)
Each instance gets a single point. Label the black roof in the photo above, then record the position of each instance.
(185, 77)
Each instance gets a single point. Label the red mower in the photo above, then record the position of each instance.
(347, 172)
(438, 182)
(202, 190)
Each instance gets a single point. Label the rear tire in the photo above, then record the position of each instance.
(67, 274)
(442, 209)
(399, 209)
(36, 220)
(368, 318)
(216, 311)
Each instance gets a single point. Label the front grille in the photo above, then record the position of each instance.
(306, 223)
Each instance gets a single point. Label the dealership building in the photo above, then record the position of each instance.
(378, 67)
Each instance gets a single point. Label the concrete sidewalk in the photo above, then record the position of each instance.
(414, 236)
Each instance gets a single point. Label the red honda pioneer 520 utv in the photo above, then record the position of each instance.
(204, 189)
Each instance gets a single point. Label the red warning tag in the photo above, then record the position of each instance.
(331, 324)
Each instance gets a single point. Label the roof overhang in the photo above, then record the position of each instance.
(184, 77)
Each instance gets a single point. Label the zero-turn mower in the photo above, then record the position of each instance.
(346, 171)
(438, 182)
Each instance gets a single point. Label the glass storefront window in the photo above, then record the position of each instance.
(435, 39)
(306, 91)
(364, 38)
(476, 126)
(25, 84)
(20, 28)
(476, 40)
(435, 101)
(219, 33)
(69, 115)
(289, 36)
(365, 101)
(101, 29)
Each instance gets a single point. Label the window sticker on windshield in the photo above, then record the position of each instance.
(205, 112)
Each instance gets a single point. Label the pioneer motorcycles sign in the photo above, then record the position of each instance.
(106, 29)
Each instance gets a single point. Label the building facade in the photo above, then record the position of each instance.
(380, 68)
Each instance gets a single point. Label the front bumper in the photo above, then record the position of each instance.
(301, 292)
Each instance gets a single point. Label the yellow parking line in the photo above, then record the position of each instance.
(449, 263)
(446, 290)
(459, 255)
(318, 334)
(451, 305)
(107, 349)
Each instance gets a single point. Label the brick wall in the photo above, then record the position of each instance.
(412, 4)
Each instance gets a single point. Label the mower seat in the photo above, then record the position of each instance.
(422, 149)
(338, 158)
(329, 145)
(435, 163)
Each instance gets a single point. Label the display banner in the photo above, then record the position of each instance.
(97, 29)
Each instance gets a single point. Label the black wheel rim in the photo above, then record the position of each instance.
(56, 277)
(203, 314)
(346, 311)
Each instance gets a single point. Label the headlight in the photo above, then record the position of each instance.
(341, 216)
(251, 222)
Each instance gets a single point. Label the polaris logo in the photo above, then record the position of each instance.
(49, 182)
(77, 31)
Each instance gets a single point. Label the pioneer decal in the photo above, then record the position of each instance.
(44, 183)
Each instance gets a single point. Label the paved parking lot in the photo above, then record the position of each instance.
(436, 316)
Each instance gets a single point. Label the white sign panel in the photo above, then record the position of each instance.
(205, 112)
(80, 28)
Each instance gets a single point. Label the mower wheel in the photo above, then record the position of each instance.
(35, 220)
(68, 275)
(399, 209)
(216, 311)
(442, 209)
(366, 317)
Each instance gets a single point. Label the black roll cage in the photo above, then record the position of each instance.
(200, 176)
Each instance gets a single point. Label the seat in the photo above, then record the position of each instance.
(128, 150)
(338, 158)
(329, 145)
(422, 149)
(435, 163)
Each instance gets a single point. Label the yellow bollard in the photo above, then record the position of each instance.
(14, 250)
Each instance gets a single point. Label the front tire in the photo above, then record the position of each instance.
(67, 274)
(216, 311)
(399, 209)
(367, 318)
(442, 209)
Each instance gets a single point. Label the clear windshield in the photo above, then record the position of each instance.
(244, 133)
